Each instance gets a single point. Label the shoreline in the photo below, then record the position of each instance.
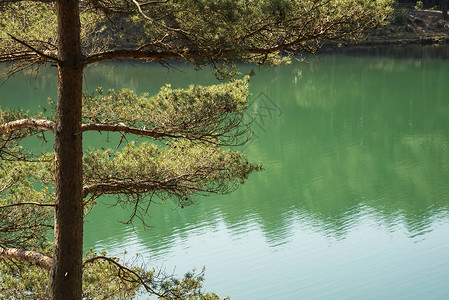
(407, 27)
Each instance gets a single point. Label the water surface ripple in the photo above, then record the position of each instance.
(354, 199)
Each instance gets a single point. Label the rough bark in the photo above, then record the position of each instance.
(66, 277)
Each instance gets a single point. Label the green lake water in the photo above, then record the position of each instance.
(354, 199)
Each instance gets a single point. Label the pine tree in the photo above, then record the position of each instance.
(192, 124)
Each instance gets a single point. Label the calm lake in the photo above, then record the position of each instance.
(354, 199)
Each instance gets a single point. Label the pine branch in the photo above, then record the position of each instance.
(27, 123)
(143, 132)
(127, 129)
(125, 273)
(34, 257)
(189, 54)
(19, 55)
(41, 54)
(139, 54)
(172, 185)
(28, 203)
(118, 187)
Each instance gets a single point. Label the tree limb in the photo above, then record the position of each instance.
(41, 54)
(184, 54)
(126, 129)
(27, 123)
(28, 203)
(138, 54)
(117, 187)
(34, 257)
(20, 55)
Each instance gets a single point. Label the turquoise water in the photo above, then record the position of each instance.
(354, 199)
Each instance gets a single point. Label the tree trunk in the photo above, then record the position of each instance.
(66, 277)
(444, 8)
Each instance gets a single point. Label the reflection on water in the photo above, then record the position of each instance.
(354, 199)
(409, 51)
